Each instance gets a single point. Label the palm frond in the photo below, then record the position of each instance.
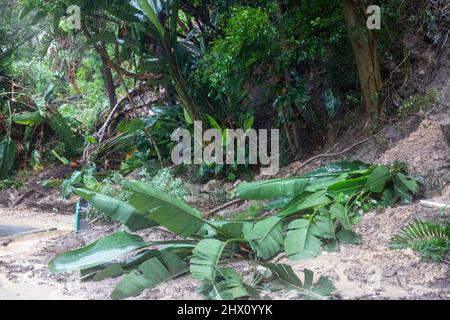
(430, 240)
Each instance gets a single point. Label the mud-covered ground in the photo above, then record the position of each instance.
(367, 271)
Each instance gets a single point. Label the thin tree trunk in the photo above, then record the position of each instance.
(366, 58)
(109, 83)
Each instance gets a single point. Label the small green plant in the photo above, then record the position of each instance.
(79, 178)
(430, 240)
(164, 181)
(112, 186)
(4, 184)
(419, 103)
(231, 172)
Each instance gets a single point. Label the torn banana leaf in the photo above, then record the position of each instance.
(320, 290)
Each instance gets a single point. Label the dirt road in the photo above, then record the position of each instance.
(20, 268)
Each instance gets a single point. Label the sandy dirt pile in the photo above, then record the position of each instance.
(425, 150)
(426, 153)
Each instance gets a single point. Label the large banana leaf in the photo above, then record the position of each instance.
(347, 186)
(116, 269)
(149, 10)
(219, 283)
(284, 273)
(204, 263)
(319, 179)
(339, 212)
(302, 240)
(103, 250)
(304, 201)
(72, 141)
(229, 286)
(322, 183)
(150, 274)
(377, 179)
(28, 118)
(269, 189)
(337, 168)
(117, 210)
(324, 226)
(169, 212)
(7, 152)
(231, 229)
(266, 237)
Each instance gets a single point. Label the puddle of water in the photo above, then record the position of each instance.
(11, 230)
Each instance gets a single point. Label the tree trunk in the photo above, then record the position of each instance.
(366, 57)
(109, 84)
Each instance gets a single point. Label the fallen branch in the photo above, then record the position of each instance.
(223, 206)
(329, 155)
(104, 129)
(19, 200)
(434, 205)
(127, 97)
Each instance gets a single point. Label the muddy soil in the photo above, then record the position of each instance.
(367, 271)
(21, 267)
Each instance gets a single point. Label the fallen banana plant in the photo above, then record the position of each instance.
(323, 206)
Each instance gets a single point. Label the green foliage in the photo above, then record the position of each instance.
(117, 210)
(4, 184)
(84, 178)
(208, 60)
(165, 181)
(228, 285)
(7, 152)
(35, 74)
(284, 273)
(69, 137)
(419, 103)
(204, 263)
(337, 192)
(170, 212)
(87, 109)
(114, 186)
(22, 127)
(430, 240)
(106, 249)
(207, 171)
(149, 274)
(249, 42)
(266, 237)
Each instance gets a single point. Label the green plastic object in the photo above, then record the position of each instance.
(77, 216)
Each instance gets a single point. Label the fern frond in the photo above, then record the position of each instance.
(431, 240)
